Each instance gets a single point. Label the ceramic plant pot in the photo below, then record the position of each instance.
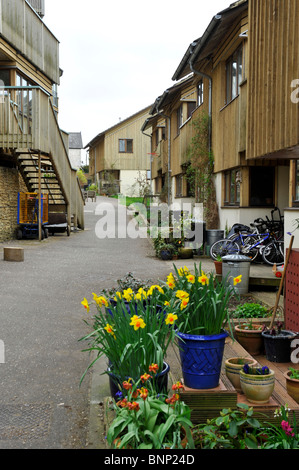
(251, 340)
(257, 388)
(278, 347)
(292, 386)
(233, 365)
(201, 359)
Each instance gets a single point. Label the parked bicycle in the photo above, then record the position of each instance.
(265, 239)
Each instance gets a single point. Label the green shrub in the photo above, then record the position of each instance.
(250, 310)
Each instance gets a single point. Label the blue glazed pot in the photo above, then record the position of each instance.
(201, 359)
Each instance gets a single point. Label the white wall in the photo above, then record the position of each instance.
(128, 182)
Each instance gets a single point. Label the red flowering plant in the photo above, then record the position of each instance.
(145, 420)
(283, 434)
(131, 333)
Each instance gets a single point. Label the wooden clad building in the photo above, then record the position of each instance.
(32, 146)
(119, 157)
(244, 70)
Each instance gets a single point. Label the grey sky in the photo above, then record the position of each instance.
(117, 56)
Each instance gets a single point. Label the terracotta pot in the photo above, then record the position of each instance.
(257, 388)
(218, 267)
(251, 340)
(233, 365)
(292, 386)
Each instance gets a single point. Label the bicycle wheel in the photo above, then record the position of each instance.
(272, 254)
(224, 247)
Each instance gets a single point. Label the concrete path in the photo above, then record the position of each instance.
(41, 321)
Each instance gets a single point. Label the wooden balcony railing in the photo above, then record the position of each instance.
(28, 121)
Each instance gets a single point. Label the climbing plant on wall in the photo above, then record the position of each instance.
(199, 170)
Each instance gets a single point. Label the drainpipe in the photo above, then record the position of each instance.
(169, 150)
(150, 136)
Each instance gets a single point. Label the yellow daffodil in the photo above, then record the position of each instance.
(166, 303)
(237, 280)
(128, 294)
(85, 304)
(117, 295)
(141, 294)
(203, 279)
(184, 303)
(191, 278)
(137, 322)
(170, 319)
(181, 294)
(100, 300)
(171, 284)
(150, 291)
(109, 330)
(183, 271)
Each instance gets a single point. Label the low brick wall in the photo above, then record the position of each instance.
(11, 183)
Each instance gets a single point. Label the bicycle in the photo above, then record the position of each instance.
(250, 245)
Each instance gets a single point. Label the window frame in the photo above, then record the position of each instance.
(200, 92)
(125, 145)
(232, 199)
(233, 81)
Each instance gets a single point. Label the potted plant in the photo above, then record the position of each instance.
(131, 340)
(292, 383)
(145, 420)
(249, 335)
(218, 265)
(257, 383)
(200, 304)
(251, 310)
(233, 365)
(278, 343)
(166, 251)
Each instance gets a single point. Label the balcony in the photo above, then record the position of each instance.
(29, 128)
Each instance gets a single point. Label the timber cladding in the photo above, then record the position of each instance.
(273, 65)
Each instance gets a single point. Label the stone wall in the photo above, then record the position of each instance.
(11, 183)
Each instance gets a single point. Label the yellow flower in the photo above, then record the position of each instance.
(141, 294)
(137, 322)
(203, 279)
(171, 284)
(237, 280)
(117, 295)
(184, 303)
(181, 294)
(109, 330)
(100, 300)
(170, 319)
(150, 291)
(191, 278)
(183, 271)
(166, 303)
(128, 294)
(85, 304)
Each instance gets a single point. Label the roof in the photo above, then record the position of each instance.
(75, 140)
(204, 46)
(102, 134)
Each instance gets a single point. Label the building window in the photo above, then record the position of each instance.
(200, 93)
(234, 74)
(232, 188)
(191, 105)
(179, 115)
(179, 185)
(262, 186)
(125, 145)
